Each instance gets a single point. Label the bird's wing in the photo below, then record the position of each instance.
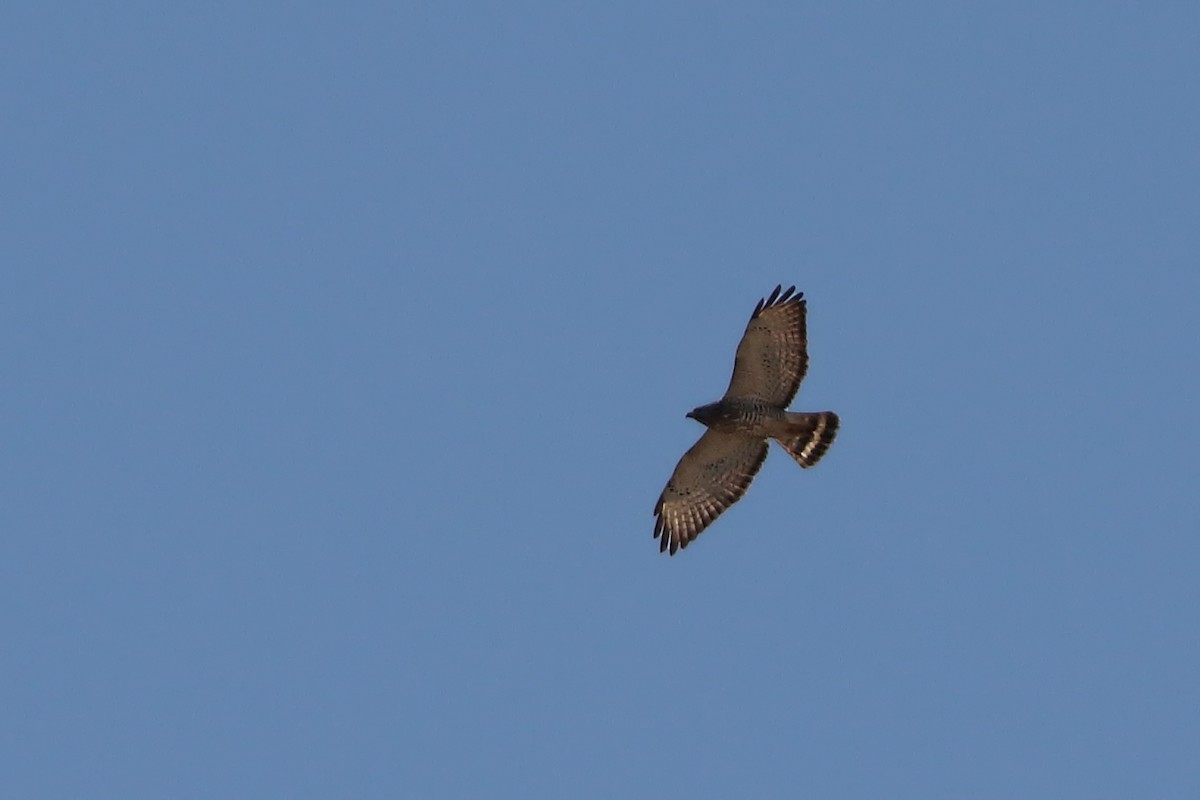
(710, 477)
(773, 354)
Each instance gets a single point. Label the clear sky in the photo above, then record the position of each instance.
(346, 348)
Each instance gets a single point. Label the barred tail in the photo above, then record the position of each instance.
(809, 435)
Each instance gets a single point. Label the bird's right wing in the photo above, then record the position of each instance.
(710, 477)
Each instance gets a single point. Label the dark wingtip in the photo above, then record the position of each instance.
(777, 298)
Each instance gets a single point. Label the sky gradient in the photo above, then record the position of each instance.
(347, 350)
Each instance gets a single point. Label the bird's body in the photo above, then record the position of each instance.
(771, 360)
(746, 415)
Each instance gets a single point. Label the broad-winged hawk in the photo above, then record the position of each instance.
(770, 363)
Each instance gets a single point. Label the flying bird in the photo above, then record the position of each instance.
(771, 360)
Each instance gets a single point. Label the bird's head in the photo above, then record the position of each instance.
(705, 415)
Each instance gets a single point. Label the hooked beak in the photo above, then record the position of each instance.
(690, 415)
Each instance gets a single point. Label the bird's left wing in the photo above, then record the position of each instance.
(773, 354)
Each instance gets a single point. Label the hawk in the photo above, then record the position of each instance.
(770, 363)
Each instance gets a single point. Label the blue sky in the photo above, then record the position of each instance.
(347, 350)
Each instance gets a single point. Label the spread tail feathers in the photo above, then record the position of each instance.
(809, 435)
